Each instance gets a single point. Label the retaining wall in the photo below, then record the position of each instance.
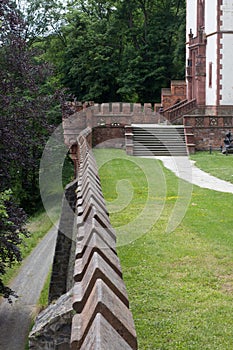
(94, 313)
(205, 131)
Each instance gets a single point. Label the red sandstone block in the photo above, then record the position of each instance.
(88, 194)
(102, 336)
(91, 179)
(104, 108)
(126, 108)
(137, 108)
(96, 244)
(105, 302)
(88, 183)
(86, 165)
(90, 197)
(115, 107)
(98, 269)
(147, 108)
(93, 201)
(87, 168)
(85, 233)
(89, 189)
(93, 212)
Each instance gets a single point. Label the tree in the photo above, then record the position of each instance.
(120, 50)
(25, 102)
(26, 120)
(12, 231)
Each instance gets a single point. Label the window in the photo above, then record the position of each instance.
(210, 74)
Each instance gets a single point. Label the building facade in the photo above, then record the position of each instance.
(209, 52)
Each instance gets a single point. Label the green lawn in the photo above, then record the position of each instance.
(180, 284)
(216, 164)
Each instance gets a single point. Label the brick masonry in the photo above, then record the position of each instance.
(207, 128)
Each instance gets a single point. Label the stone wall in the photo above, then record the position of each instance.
(91, 311)
(63, 264)
(173, 95)
(108, 115)
(103, 319)
(53, 326)
(108, 136)
(207, 130)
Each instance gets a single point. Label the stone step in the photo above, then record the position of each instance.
(156, 140)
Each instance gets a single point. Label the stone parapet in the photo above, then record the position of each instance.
(107, 120)
(100, 298)
(95, 313)
(208, 130)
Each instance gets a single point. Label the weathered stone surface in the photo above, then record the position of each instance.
(91, 212)
(89, 194)
(103, 320)
(96, 244)
(63, 262)
(102, 336)
(86, 185)
(103, 301)
(92, 200)
(85, 233)
(98, 269)
(88, 180)
(52, 327)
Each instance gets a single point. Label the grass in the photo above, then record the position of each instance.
(43, 301)
(180, 285)
(38, 225)
(216, 164)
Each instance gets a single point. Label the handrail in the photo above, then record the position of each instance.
(178, 111)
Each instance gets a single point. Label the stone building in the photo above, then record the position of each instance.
(209, 51)
(209, 67)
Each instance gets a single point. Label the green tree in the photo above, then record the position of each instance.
(118, 50)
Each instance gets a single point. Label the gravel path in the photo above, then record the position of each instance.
(15, 319)
(186, 169)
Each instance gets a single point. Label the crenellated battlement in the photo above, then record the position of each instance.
(78, 116)
(123, 108)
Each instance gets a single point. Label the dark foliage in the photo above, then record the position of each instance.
(12, 231)
(28, 114)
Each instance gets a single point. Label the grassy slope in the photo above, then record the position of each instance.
(215, 164)
(180, 285)
(38, 225)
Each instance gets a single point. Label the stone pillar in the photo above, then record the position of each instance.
(129, 140)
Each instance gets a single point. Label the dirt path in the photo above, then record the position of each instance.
(15, 319)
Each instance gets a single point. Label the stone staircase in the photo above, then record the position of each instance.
(177, 111)
(159, 140)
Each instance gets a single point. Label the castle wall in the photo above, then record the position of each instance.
(208, 130)
(108, 137)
